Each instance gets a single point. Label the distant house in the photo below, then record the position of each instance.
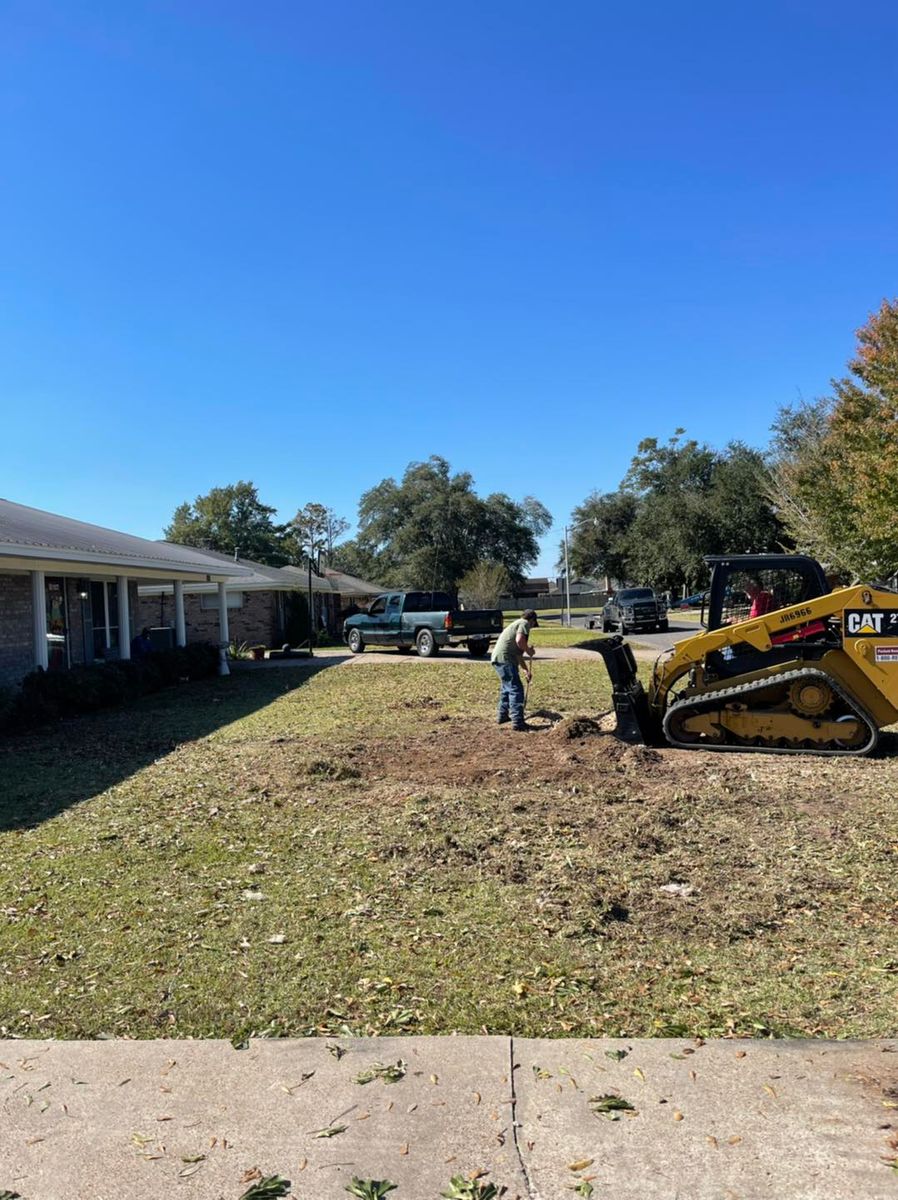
(68, 590)
(259, 602)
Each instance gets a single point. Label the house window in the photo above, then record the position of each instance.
(209, 600)
(57, 625)
(104, 618)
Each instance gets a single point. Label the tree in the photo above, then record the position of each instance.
(430, 529)
(601, 539)
(833, 479)
(864, 442)
(808, 498)
(350, 557)
(678, 502)
(317, 528)
(232, 520)
(482, 586)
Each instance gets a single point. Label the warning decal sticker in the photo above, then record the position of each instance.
(871, 622)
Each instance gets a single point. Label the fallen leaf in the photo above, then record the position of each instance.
(581, 1164)
(329, 1132)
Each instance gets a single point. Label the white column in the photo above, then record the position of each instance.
(124, 621)
(180, 624)
(223, 668)
(39, 616)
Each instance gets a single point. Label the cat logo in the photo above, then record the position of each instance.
(870, 623)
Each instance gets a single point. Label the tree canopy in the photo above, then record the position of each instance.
(431, 528)
(232, 520)
(833, 472)
(679, 501)
(315, 527)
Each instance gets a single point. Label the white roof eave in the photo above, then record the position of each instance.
(207, 570)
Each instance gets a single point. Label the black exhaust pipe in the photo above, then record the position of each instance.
(635, 722)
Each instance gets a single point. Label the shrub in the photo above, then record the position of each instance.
(48, 695)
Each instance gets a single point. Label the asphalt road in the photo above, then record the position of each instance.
(658, 641)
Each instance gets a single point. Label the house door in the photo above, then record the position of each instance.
(57, 626)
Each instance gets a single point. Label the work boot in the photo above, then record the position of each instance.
(523, 728)
(503, 720)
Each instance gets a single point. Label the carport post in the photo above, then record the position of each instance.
(39, 615)
(124, 618)
(223, 668)
(180, 626)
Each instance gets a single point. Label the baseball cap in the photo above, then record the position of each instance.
(530, 616)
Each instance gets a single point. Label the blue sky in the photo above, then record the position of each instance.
(308, 243)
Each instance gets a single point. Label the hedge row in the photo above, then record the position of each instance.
(47, 695)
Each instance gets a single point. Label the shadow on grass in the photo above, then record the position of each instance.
(50, 769)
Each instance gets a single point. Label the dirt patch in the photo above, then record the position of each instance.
(572, 728)
(460, 752)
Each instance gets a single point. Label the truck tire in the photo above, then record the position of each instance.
(623, 627)
(478, 647)
(426, 643)
(606, 626)
(663, 626)
(355, 642)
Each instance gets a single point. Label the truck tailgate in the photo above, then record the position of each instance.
(477, 620)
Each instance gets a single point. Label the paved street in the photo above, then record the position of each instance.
(659, 641)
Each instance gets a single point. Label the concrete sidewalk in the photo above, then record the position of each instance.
(728, 1120)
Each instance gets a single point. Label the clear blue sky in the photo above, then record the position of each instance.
(308, 243)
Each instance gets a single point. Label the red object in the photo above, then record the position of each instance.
(447, 621)
(797, 635)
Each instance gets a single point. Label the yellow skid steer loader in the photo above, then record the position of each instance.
(783, 665)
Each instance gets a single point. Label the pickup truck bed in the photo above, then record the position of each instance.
(423, 620)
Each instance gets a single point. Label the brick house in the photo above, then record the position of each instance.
(258, 602)
(68, 590)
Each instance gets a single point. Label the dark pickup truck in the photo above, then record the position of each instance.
(425, 620)
(634, 608)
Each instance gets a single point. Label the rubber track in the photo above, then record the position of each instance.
(723, 695)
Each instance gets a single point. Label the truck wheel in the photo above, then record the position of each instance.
(606, 626)
(354, 642)
(663, 626)
(426, 644)
(623, 628)
(477, 647)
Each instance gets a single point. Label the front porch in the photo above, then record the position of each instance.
(68, 591)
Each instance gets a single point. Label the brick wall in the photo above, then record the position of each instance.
(256, 623)
(16, 654)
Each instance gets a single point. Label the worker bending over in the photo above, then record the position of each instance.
(511, 652)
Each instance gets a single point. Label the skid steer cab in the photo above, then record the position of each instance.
(783, 664)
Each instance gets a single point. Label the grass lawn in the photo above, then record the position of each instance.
(511, 614)
(359, 848)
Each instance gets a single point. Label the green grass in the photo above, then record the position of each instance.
(361, 849)
(556, 635)
(512, 614)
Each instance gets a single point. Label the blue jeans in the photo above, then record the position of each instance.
(511, 693)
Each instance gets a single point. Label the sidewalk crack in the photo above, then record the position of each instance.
(532, 1193)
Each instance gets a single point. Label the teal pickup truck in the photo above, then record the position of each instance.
(423, 620)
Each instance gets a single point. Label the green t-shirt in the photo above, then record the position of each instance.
(505, 649)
